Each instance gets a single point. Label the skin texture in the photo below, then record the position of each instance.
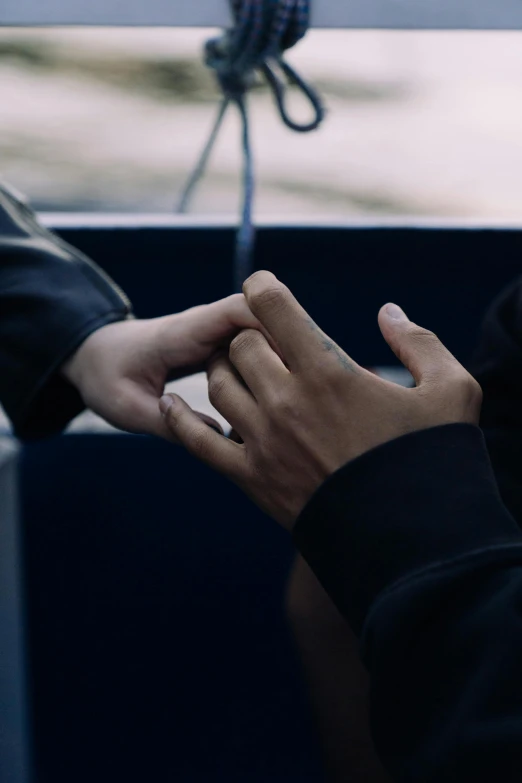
(121, 369)
(304, 410)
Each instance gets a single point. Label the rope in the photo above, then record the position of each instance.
(263, 30)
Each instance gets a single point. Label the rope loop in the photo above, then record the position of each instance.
(263, 30)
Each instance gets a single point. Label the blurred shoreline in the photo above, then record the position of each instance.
(419, 124)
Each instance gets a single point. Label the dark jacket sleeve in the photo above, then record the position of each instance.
(51, 298)
(416, 548)
(497, 365)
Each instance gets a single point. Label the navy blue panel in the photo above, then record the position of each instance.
(444, 278)
(162, 269)
(158, 644)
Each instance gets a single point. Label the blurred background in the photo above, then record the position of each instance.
(419, 124)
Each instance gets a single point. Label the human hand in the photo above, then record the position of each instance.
(303, 418)
(121, 369)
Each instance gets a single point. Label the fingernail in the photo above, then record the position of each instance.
(165, 404)
(395, 312)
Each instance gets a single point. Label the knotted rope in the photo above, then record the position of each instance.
(263, 30)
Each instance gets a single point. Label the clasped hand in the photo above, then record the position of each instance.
(302, 408)
(121, 369)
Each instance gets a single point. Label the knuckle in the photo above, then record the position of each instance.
(476, 391)
(217, 389)
(469, 389)
(422, 342)
(258, 279)
(243, 343)
(269, 296)
(464, 390)
(282, 404)
(235, 303)
(423, 336)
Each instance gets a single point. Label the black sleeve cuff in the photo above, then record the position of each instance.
(404, 507)
(52, 298)
(55, 402)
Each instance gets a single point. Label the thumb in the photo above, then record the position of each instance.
(421, 351)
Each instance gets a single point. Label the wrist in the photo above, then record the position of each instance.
(76, 368)
(72, 368)
(78, 364)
